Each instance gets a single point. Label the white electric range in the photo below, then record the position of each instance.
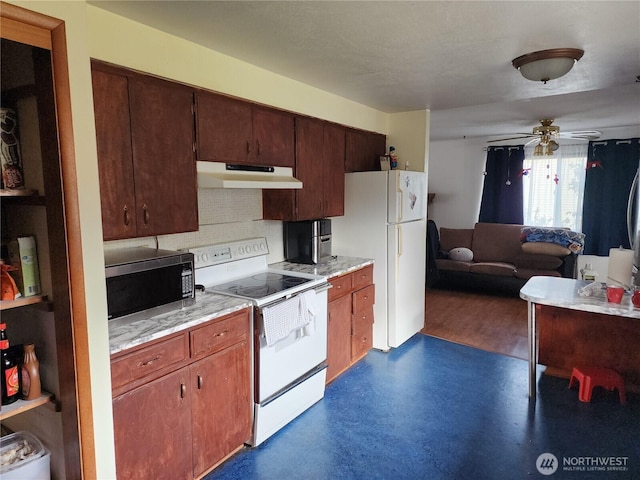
(290, 328)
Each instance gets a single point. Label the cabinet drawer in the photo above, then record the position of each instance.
(148, 360)
(340, 286)
(363, 277)
(362, 336)
(219, 334)
(364, 299)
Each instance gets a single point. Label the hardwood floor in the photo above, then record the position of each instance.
(490, 322)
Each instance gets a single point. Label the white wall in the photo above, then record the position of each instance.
(455, 176)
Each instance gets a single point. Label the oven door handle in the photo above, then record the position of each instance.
(323, 288)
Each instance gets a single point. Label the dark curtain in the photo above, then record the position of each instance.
(502, 191)
(611, 166)
(433, 246)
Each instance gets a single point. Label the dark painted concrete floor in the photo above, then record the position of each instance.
(432, 409)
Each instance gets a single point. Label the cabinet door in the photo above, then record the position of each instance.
(224, 127)
(333, 165)
(338, 336)
(309, 168)
(162, 133)
(115, 164)
(152, 427)
(363, 150)
(273, 135)
(221, 408)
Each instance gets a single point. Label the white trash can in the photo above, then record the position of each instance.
(23, 456)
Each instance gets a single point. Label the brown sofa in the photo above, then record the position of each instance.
(500, 260)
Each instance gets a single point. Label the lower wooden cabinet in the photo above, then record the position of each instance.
(153, 428)
(350, 325)
(179, 416)
(338, 336)
(221, 405)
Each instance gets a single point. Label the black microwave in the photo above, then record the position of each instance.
(143, 282)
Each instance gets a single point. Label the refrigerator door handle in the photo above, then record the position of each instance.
(399, 240)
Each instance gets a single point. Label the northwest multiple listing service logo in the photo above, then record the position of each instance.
(548, 464)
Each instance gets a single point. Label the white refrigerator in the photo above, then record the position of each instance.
(385, 219)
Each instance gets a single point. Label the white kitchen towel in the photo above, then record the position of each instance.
(281, 319)
(308, 312)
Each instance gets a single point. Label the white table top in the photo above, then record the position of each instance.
(563, 293)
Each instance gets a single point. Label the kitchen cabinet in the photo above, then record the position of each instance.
(319, 165)
(350, 327)
(145, 138)
(182, 404)
(363, 150)
(239, 132)
(34, 52)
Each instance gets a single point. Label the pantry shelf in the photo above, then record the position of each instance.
(22, 406)
(37, 300)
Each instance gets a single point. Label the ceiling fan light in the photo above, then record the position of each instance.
(553, 146)
(538, 151)
(547, 65)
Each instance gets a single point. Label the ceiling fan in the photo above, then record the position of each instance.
(546, 133)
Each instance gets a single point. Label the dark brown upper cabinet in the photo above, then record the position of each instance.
(319, 166)
(145, 138)
(236, 131)
(363, 150)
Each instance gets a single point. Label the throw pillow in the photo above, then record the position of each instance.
(461, 254)
(545, 248)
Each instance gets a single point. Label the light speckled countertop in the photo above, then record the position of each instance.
(338, 265)
(563, 292)
(208, 306)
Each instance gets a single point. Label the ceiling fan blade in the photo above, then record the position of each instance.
(511, 138)
(531, 141)
(582, 134)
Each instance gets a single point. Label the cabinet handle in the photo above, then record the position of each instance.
(126, 215)
(145, 214)
(183, 390)
(200, 381)
(149, 362)
(248, 147)
(258, 147)
(222, 334)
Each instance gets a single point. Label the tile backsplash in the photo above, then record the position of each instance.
(224, 215)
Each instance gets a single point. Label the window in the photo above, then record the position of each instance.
(553, 187)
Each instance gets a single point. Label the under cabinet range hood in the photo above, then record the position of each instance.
(225, 175)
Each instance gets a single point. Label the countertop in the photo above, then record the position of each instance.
(208, 306)
(338, 265)
(563, 293)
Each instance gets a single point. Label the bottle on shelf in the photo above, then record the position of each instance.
(10, 379)
(31, 388)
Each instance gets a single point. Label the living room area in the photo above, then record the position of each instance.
(514, 215)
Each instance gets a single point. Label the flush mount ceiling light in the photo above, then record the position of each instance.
(547, 65)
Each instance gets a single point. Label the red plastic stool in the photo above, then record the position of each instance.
(590, 377)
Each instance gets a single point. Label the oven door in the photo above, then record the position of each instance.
(285, 363)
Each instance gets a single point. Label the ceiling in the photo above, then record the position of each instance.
(451, 57)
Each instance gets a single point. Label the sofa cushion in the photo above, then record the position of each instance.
(537, 262)
(446, 264)
(461, 254)
(544, 248)
(451, 238)
(496, 242)
(493, 268)
(526, 273)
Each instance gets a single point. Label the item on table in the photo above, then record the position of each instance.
(614, 294)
